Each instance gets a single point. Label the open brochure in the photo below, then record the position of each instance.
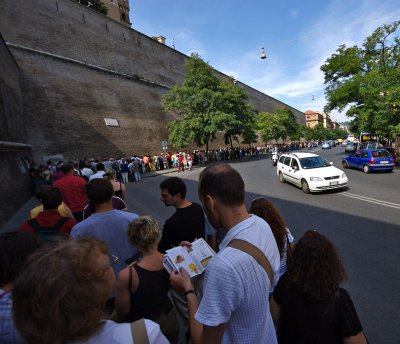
(194, 259)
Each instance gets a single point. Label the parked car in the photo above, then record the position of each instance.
(350, 147)
(370, 160)
(344, 143)
(370, 144)
(326, 145)
(310, 171)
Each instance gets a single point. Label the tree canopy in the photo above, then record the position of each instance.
(205, 105)
(366, 80)
(280, 124)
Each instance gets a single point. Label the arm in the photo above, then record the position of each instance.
(123, 188)
(275, 312)
(201, 334)
(359, 338)
(123, 296)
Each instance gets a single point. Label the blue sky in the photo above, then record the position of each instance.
(298, 37)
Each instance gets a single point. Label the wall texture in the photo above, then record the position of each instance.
(14, 154)
(79, 67)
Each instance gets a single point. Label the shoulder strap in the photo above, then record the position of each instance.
(35, 225)
(256, 253)
(120, 186)
(139, 332)
(60, 223)
(130, 278)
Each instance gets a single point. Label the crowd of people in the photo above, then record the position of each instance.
(83, 269)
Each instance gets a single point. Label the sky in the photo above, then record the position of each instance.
(298, 37)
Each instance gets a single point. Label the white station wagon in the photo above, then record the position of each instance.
(310, 171)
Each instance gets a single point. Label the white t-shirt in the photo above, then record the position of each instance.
(113, 333)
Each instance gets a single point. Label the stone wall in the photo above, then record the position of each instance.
(79, 67)
(14, 155)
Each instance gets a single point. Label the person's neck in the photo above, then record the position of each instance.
(103, 207)
(6, 287)
(184, 203)
(231, 216)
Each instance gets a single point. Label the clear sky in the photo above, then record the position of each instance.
(298, 37)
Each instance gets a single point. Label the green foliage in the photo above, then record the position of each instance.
(96, 5)
(280, 124)
(366, 80)
(205, 105)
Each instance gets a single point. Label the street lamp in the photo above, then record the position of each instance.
(263, 54)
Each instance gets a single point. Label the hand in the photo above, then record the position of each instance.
(180, 280)
(185, 243)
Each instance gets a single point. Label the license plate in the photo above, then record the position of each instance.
(384, 162)
(333, 183)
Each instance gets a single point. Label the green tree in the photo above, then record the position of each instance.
(205, 105)
(366, 80)
(270, 126)
(96, 5)
(289, 121)
(239, 116)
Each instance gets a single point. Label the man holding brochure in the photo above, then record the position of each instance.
(234, 307)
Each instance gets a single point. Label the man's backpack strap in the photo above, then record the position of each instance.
(55, 228)
(60, 223)
(139, 332)
(256, 253)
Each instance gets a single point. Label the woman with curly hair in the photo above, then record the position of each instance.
(308, 306)
(266, 210)
(60, 297)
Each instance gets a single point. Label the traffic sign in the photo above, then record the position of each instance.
(164, 144)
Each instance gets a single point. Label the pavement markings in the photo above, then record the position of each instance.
(371, 200)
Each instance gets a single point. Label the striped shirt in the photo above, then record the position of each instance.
(236, 287)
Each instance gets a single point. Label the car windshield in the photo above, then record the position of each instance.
(313, 162)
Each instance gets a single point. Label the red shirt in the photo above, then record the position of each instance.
(73, 192)
(49, 218)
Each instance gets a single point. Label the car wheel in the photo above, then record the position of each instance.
(366, 169)
(305, 187)
(345, 164)
(281, 177)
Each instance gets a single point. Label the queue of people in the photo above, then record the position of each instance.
(100, 278)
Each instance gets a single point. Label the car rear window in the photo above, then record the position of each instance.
(380, 154)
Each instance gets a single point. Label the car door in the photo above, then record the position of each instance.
(285, 168)
(354, 159)
(294, 172)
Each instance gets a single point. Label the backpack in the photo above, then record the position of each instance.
(48, 234)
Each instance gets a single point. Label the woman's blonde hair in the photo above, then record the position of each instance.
(60, 295)
(144, 233)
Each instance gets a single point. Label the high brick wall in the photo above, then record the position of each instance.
(79, 67)
(14, 155)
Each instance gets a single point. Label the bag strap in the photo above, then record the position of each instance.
(139, 332)
(61, 223)
(255, 252)
(35, 225)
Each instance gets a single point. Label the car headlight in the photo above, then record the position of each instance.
(343, 175)
(315, 179)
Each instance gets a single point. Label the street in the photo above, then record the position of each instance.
(362, 221)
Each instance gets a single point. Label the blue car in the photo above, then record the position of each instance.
(370, 160)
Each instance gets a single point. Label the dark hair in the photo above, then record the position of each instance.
(174, 185)
(99, 190)
(40, 190)
(51, 198)
(223, 182)
(315, 267)
(100, 166)
(67, 167)
(15, 248)
(267, 211)
(60, 296)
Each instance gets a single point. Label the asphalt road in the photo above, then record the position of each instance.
(363, 221)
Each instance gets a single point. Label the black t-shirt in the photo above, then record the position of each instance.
(186, 224)
(308, 321)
